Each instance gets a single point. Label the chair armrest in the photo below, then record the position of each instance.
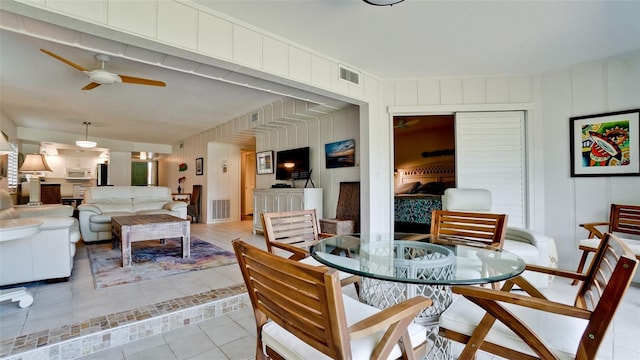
(175, 205)
(406, 310)
(538, 240)
(298, 253)
(593, 230)
(474, 293)
(325, 235)
(90, 208)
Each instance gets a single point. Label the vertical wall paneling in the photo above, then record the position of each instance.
(429, 92)
(275, 56)
(451, 91)
(247, 47)
(132, 16)
(406, 92)
(474, 91)
(320, 72)
(490, 154)
(177, 24)
(497, 91)
(299, 65)
(215, 36)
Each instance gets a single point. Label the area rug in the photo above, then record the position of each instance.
(152, 260)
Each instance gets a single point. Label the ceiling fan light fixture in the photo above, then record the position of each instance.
(382, 2)
(86, 143)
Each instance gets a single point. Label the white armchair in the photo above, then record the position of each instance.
(533, 247)
(36, 243)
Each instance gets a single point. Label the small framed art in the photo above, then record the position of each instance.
(199, 166)
(605, 144)
(264, 162)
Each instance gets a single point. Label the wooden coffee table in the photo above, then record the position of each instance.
(129, 229)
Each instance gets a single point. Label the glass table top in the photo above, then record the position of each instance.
(410, 258)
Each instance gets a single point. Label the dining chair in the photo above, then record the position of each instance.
(533, 247)
(518, 326)
(295, 232)
(468, 228)
(624, 220)
(301, 313)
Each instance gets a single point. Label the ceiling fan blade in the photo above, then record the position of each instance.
(91, 85)
(141, 81)
(76, 66)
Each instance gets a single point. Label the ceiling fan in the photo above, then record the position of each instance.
(400, 123)
(103, 77)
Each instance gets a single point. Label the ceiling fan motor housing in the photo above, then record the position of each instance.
(104, 77)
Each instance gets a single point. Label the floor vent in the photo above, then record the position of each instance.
(349, 75)
(220, 209)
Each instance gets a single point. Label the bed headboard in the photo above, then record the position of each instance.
(444, 171)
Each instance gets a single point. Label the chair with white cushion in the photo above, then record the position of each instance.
(624, 221)
(301, 313)
(532, 247)
(528, 325)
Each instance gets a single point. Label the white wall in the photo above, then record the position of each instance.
(223, 185)
(314, 132)
(597, 87)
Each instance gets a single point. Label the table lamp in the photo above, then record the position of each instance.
(34, 163)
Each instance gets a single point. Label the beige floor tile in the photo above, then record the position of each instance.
(192, 345)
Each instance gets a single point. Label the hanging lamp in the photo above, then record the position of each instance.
(86, 143)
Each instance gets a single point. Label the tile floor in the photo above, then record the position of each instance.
(230, 336)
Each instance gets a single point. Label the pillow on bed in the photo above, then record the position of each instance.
(435, 188)
(408, 188)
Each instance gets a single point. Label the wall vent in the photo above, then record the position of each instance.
(254, 117)
(349, 75)
(220, 209)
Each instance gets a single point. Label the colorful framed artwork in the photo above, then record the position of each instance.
(264, 162)
(605, 144)
(340, 154)
(199, 166)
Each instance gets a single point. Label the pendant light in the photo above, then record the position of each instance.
(86, 143)
(382, 2)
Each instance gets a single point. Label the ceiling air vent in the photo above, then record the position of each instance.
(254, 117)
(349, 75)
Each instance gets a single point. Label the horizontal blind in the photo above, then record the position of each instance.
(490, 154)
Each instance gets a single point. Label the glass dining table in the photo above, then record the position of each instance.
(397, 266)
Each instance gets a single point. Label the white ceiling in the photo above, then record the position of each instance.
(412, 39)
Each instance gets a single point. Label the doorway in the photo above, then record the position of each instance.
(247, 183)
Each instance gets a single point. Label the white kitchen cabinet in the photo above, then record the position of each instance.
(284, 199)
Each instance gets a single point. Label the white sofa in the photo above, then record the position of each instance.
(36, 243)
(532, 247)
(101, 203)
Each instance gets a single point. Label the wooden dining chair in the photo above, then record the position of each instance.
(518, 326)
(301, 313)
(295, 232)
(468, 228)
(624, 220)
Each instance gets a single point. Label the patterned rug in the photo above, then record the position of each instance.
(152, 260)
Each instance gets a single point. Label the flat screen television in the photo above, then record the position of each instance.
(292, 164)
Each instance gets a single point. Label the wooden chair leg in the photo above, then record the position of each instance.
(583, 261)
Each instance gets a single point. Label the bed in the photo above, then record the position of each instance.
(418, 191)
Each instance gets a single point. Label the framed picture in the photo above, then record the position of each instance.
(264, 162)
(199, 166)
(605, 144)
(340, 154)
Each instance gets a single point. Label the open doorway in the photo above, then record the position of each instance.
(248, 183)
(424, 166)
(423, 139)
